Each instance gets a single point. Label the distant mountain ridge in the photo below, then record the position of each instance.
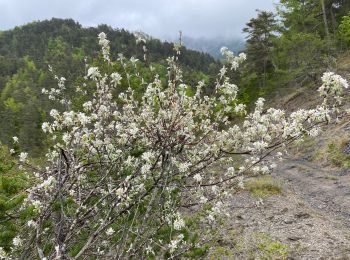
(212, 46)
(32, 40)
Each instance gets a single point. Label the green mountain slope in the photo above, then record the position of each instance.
(27, 51)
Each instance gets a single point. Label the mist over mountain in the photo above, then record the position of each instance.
(213, 45)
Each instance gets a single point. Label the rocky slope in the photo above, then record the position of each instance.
(309, 215)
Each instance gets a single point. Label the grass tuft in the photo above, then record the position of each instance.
(264, 187)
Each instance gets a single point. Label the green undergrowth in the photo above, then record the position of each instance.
(258, 246)
(333, 152)
(264, 187)
(337, 156)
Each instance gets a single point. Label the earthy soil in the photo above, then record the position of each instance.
(310, 219)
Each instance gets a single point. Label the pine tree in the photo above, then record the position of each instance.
(260, 35)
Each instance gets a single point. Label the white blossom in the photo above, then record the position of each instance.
(239, 108)
(46, 127)
(333, 84)
(110, 231)
(47, 184)
(54, 113)
(31, 223)
(93, 72)
(87, 106)
(3, 254)
(230, 171)
(17, 241)
(23, 157)
(116, 77)
(133, 60)
(104, 43)
(183, 167)
(197, 177)
(179, 223)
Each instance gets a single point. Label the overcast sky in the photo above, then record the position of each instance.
(159, 18)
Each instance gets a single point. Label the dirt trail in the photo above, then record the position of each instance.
(311, 217)
(325, 190)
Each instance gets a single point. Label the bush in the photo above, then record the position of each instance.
(344, 29)
(133, 175)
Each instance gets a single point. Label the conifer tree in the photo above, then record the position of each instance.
(260, 35)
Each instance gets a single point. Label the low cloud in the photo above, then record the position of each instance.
(160, 18)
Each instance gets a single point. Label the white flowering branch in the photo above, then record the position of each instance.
(125, 170)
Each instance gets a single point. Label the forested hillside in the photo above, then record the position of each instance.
(291, 47)
(28, 50)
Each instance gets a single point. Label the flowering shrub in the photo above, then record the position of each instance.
(135, 177)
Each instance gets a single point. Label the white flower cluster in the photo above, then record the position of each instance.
(235, 61)
(179, 223)
(57, 94)
(116, 78)
(333, 85)
(174, 244)
(93, 73)
(3, 254)
(141, 37)
(110, 231)
(23, 157)
(17, 241)
(104, 43)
